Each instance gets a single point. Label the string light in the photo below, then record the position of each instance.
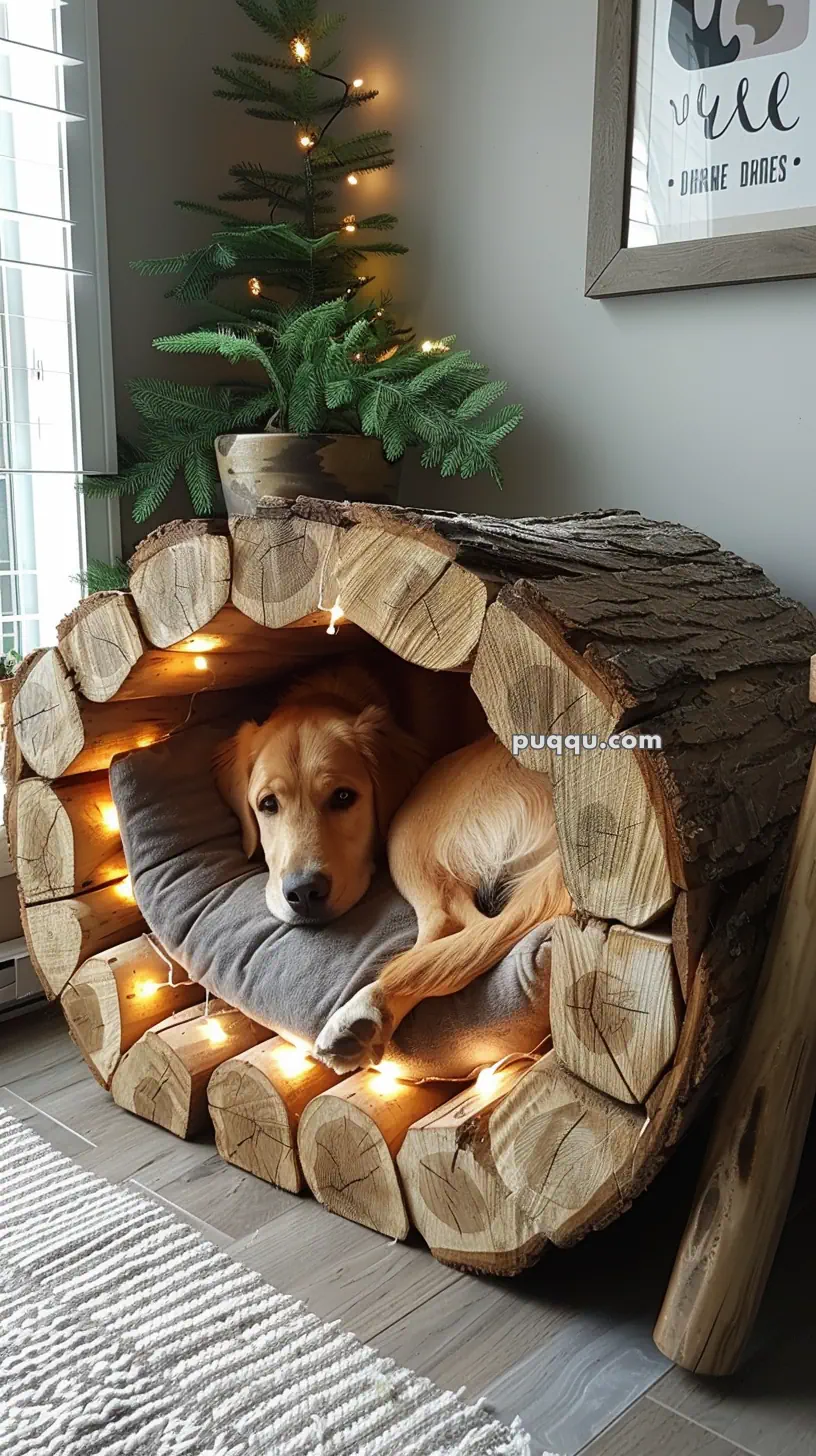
(432, 346)
(488, 1082)
(350, 223)
(293, 1059)
(300, 48)
(147, 989)
(337, 615)
(109, 817)
(387, 1079)
(352, 179)
(200, 664)
(307, 140)
(357, 83)
(255, 286)
(216, 1034)
(125, 889)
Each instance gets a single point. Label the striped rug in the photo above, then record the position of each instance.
(124, 1333)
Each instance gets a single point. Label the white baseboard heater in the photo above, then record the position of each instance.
(19, 987)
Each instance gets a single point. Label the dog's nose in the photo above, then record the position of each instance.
(307, 893)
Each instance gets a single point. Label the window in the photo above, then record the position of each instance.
(56, 414)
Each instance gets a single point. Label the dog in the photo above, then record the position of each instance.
(316, 786)
(330, 780)
(474, 849)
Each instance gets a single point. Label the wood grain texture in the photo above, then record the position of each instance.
(615, 1006)
(180, 578)
(564, 1151)
(100, 642)
(283, 567)
(164, 1077)
(751, 1165)
(454, 1194)
(63, 934)
(411, 596)
(256, 1101)
(348, 1140)
(612, 853)
(64, 837)
(46, 713)
(117, 996)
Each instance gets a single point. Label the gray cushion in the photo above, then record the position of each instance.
(205, 904)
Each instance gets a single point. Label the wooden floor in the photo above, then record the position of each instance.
(567, 1346)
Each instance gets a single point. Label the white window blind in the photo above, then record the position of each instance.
(56, 416)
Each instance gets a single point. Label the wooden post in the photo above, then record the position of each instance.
(407, 591)
(283, 567)
(163, 1078)
(454, 1194)
(64, 837)
(349, 1138)
(615, 1006)
(117, 996)
(180, 577)
(256, 1101)
(756, 1147)
(64, 933)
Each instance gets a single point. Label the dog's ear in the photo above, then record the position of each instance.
(233, 762)
(396, 761)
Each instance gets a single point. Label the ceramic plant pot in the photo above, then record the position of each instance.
(330, 467)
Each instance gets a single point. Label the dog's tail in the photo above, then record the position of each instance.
(444, 966)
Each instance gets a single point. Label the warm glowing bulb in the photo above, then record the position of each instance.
(337, 615)
(430, 346)
(300, 48)
(350, 223)
(200, 664)
(352, 179)
(306, 141)
(109, 817)
(255, 286)
(488, 1082)
(427, 347)
(147, 989)
(216, 1034)
(387, 1078)
(357, 83)
(125, 888)
(292, 1060)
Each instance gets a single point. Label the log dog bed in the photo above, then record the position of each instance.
(597, 624)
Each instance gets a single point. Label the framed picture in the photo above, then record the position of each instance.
(704, 144)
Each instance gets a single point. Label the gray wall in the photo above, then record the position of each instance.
(697, 406)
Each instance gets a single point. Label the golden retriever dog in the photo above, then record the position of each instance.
(330, 780)
(316, 786)
(477, 835)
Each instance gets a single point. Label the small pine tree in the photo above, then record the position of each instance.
(297, 88)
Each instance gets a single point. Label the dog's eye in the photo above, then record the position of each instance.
(343, 799)
(269, 805)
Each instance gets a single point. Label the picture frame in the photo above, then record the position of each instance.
(614, 269)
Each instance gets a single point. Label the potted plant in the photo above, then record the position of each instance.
(329, 386)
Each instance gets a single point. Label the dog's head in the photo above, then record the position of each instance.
(316, 786)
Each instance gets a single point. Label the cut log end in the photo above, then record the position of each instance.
(114, 998)
(410, 596)
(164, 1077)
(46, 714)
(348, 1140)
(615, 1006)
(101, 643)
(63, 934)
(256, 1101)
(455, 1196)
(180, 578)
(283, 567)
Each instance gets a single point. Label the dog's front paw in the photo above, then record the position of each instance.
(355, 1036)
